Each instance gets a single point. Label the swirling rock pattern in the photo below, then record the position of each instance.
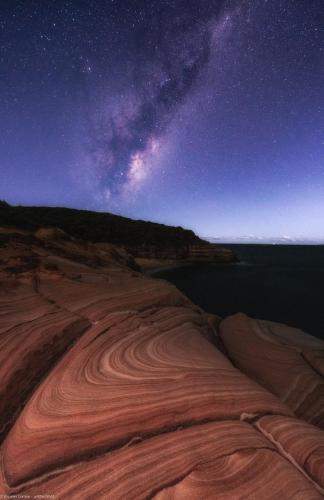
(282, 360)
(216, 460)
(298, 441)
(129, 375)
(122, 393)
(33, 334)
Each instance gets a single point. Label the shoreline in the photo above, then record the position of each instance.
(151, 271)
(168, 267)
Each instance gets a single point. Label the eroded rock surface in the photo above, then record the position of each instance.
(226, 459)
(113, 387)
(282, 359)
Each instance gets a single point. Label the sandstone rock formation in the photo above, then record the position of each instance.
(210, 253)
(50, 233)
(202, 252)
(113, 387)
(141, 239)
(282, 359)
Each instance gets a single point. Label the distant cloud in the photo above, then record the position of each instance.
(288, 240)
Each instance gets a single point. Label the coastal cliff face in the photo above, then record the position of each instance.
(113, 385)
(204, 252)
(150, 244)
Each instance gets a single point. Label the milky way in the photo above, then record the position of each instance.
(207, 114)
(171, 44)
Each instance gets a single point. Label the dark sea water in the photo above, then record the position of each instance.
(274, 282)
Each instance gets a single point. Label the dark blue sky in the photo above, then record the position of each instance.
(204, 114)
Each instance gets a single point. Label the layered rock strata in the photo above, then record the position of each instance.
(202, 252)
(282, 359)
(123, 393)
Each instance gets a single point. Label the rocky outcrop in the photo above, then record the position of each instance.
(34, 334)
(282, 359)
(217, 460)
(138, 238)
(210, 253)
(123, 393)
(300, 443)
(204, 252)
(50, 234)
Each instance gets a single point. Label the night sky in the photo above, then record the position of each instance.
(203, 113)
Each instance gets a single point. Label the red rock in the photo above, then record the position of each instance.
(33, 335)
(269, 355)
(127, 395)
(228, 460)
(298, 441)
(132, 374)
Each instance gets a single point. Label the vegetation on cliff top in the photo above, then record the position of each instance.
(96, 226)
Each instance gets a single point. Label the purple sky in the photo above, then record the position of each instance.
(206, 114)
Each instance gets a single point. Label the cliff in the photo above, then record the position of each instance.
(115, 386)
(139, 238)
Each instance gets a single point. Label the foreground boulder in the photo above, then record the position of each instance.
(122, 392)
(282, 359)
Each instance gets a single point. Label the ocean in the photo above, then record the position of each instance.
(274, 282)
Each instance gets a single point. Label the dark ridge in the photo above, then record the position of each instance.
(97, 226)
